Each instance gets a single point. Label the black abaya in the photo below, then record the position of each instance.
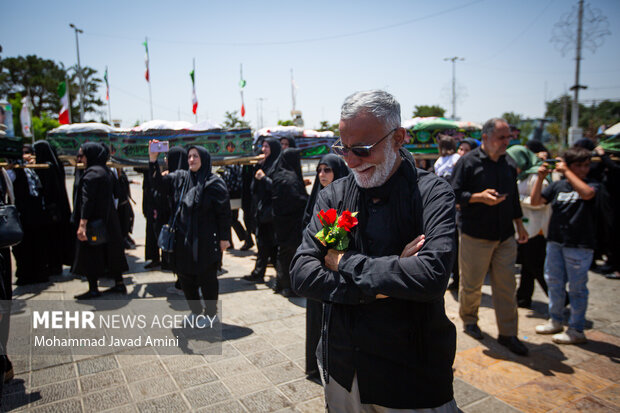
(314, 309)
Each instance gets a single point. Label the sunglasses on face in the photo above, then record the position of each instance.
(327, 170)
(361, 151)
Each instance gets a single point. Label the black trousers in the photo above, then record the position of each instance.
(209, 287)
(286, 252)
(267, 248)
(314, 315)
(532, 255)
(151, 250)
(237, 226)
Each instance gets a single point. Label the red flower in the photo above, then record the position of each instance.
(329, 217)
(347, 221)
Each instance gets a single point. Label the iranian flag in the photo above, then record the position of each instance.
(63, 115)
(194, 98)
(242, 84)
(146, 60)
(107, 85)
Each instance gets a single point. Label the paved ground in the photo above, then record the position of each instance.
(261, 367)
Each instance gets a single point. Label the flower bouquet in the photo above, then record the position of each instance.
(334, 233)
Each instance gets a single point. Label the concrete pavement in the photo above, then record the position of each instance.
(261, 368)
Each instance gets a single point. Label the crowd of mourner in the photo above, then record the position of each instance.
(375, 310)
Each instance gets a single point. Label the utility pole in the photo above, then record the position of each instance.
(575, 131)
(77, 47)
(454, 60)
(260, 106)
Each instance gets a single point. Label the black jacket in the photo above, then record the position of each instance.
(406, 338)
(94, 200)
(204, 215)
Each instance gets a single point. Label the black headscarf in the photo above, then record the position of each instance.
(193, 190)
(275, 147)
(339, 168)
(96, 154)
(45, 153)
(536, 146)
(291, 142)
(585, 143)
(288, 189)
(177, 159)
(473, 144)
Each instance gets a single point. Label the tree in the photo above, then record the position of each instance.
(590, 117)
(232, 121)
(424, 111)
(325, 126)
(92, 102)
(41, 77)
(31, 74)
(513, 118)
(286, 123)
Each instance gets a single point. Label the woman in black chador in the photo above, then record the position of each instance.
(289, 199)
(202, 225)
(330, 168)
(60, 239)
(261, 193)
(94, 201)
(31, 254)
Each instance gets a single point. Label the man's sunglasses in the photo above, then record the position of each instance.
(326, 170)
(361, 151)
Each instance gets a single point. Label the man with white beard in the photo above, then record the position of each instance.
(386, 342)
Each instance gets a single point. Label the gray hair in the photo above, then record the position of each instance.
(378, 103)
(489, 126)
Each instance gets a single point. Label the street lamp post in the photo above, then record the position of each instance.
(453, 60)
(77, 47)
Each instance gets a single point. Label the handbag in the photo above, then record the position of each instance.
(165, 241)
(11, 232)
(96, 232)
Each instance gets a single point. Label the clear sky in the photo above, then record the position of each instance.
(334, 48)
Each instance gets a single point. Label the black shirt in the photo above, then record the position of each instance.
(401, 347)
(572, 221)
(474, 173)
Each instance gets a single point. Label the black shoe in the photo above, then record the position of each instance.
(247, 245)
(513, 344)
(89, 295)
(524, 303)
(254, 278)
(117, 289)
(152, 264)
(288, 293)
(474, 331)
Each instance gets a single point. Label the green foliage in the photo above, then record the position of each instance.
(590, 117)
(325, 126)
(512, 118)
(428, 110)
(286, 123)
(42, 125)
(231, 120)
(40, 77)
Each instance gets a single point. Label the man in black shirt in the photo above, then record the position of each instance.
(386, 341)
(485, 185)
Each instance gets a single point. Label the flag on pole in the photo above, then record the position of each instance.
(107, 85)
(146, 60)
(24, 117)
(63, 115)
(194, 98)
(242, 84)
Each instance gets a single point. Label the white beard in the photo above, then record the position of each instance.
(382, 170)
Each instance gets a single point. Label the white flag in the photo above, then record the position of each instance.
(24, 117)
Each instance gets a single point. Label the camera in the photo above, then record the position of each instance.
(159, 146)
